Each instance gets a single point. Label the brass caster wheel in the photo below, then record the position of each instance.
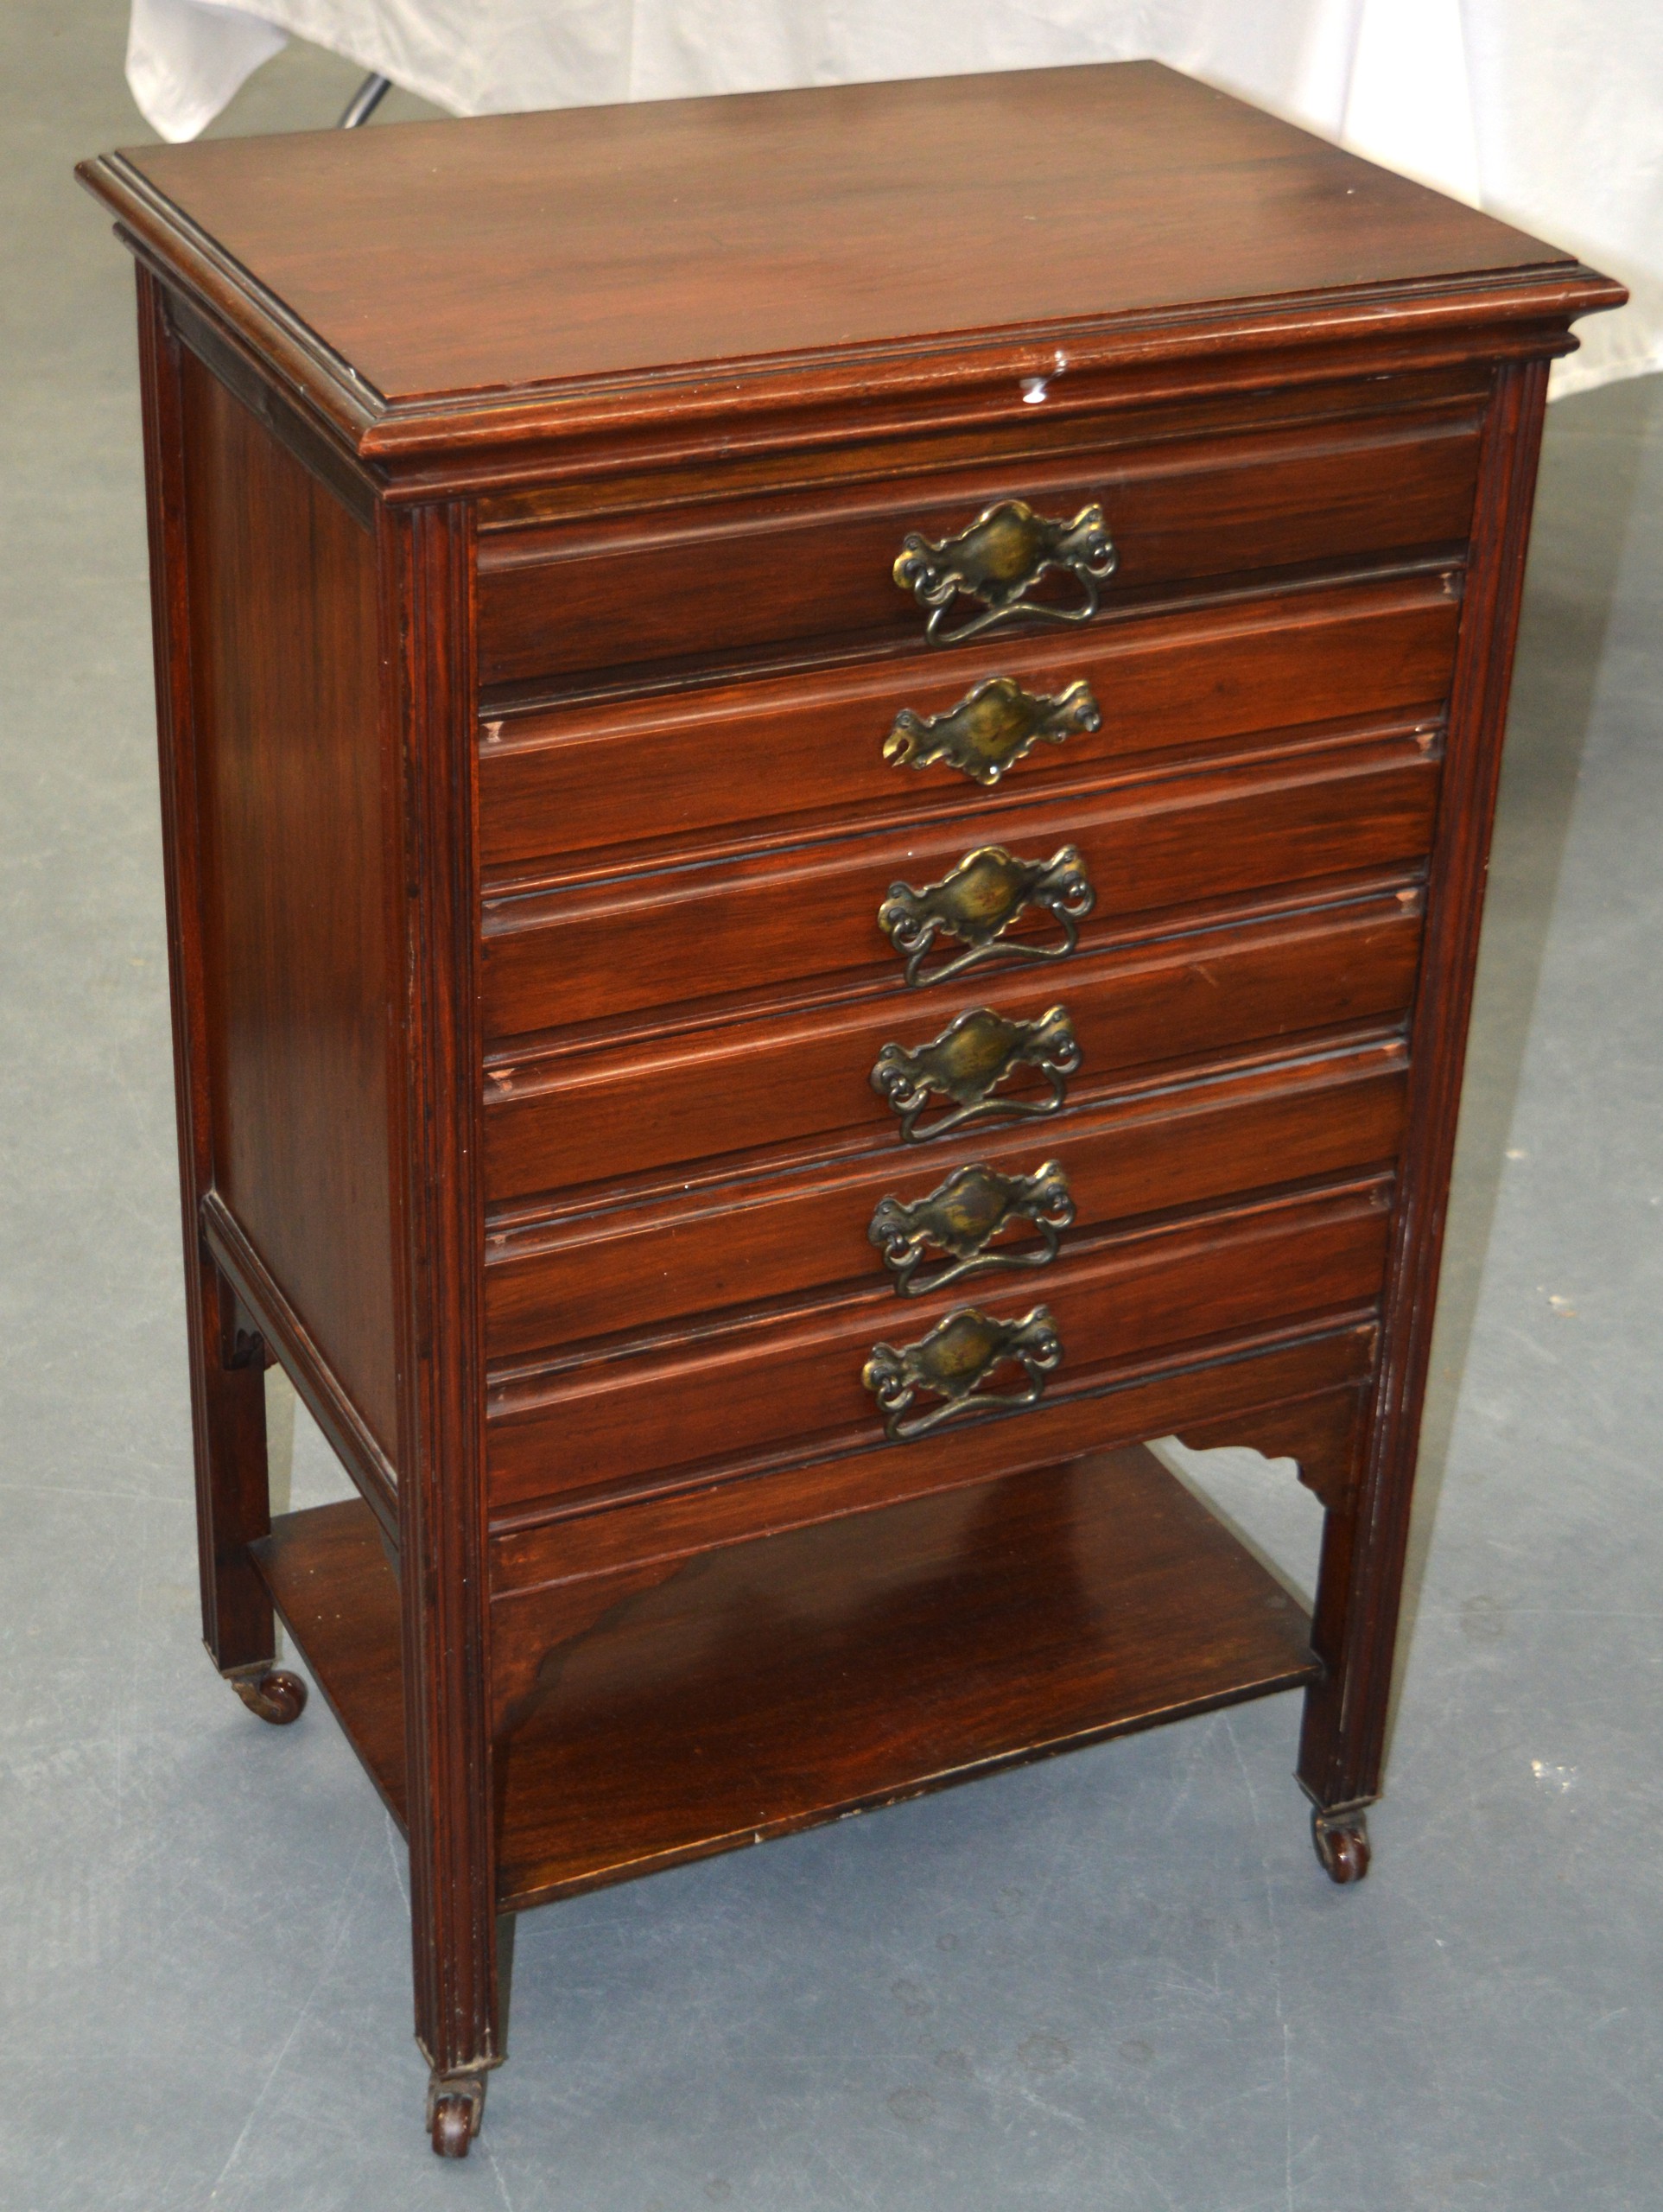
(277, 1695)
(1341, 1841)
(455, 2107)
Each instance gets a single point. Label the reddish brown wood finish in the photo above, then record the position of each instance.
(563, 1545)
(730, 1393)
(994, 1625)
(554, 1280)
(327, 1573)
(661, 770)
(1323, 269)
(658, 1720)
(556, 1571)
(526, 645)
(608, 1111)
(1067, 422)
(1319, 1431)
(743, 578)
(426, 570)
(227, 1364)
(688, 227)
(286, 1338)
(792, 920)
(293, 817)
(1343, 1741)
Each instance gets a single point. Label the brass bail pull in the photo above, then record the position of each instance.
(998, 559)
(954, 1362)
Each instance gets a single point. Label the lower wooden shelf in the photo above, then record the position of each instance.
(336, 1594)
(767, 1687)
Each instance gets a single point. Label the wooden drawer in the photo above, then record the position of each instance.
(556, 1573)
(552, 1282)
(740, 1394)
(603, 1115)
(1306, 1373)
(676, 771)
(782, 922)
(744, 577)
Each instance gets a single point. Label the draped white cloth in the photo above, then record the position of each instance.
(1547, 112)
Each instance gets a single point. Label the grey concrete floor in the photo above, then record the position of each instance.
(1115, 1981)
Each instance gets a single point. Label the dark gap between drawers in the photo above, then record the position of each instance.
(545, 1049)
(909, 1317)
(1073, 422)
(803, 832)
(1159, 1080)
(709, 1324)
(685, 676)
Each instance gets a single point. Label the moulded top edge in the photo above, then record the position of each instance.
(431, 285)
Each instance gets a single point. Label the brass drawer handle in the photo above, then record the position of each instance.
(967, 1062)
(954, 1360)
(963, 1217)
(998, 559)
(991, 728)
(978, 902)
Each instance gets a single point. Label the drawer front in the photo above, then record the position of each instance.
(782, 922)
(552, 1283)
(678, 770)
(760, 1388)
(741, 579)
(602, 1116)
(1318, 1370)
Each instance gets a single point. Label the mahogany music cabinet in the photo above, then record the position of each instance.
(827, 763)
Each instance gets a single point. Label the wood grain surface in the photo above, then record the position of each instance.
(669, 1731)
(295, 798)
(782, 923)
(748, 575)
(554, 1280)
(731, 1701)
(558, 1541)
(724, 1394)
(578, 788)
(615, 1110)
(228, 1355)
(428, 255)
(328, 1574)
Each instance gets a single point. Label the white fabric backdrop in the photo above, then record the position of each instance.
(1548, 112)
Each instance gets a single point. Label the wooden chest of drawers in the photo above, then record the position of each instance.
(827, 764)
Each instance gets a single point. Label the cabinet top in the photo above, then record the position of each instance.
(869, 225)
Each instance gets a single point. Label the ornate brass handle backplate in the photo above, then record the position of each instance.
(966, 1064)
(962, 1216)
(954, 1361)
(991, 728)
(998, 559)
(978, 902)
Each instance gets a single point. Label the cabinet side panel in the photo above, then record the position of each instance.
(294, 796)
